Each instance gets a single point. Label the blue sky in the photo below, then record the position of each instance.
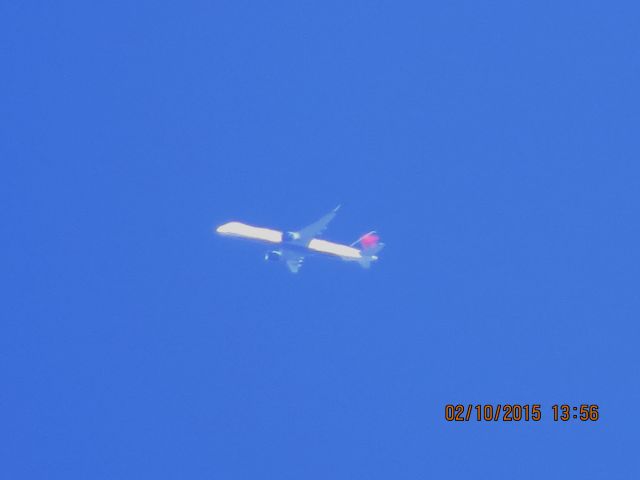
(493, 145)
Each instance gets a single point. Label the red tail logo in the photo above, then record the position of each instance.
(370, 240)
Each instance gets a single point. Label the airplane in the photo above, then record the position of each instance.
(291, 247)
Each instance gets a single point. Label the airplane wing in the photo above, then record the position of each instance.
(293, 260)
(311, 231)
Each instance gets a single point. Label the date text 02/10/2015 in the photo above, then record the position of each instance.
(514, 412)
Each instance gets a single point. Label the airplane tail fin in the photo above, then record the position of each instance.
(370, 245)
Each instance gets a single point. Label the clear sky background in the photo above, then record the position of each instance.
(494, 145)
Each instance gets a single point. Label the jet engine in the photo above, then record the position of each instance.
(290, 236)
(273, 256)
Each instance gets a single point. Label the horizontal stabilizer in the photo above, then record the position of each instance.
(373, 250)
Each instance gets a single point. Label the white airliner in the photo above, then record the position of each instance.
(292, 247)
